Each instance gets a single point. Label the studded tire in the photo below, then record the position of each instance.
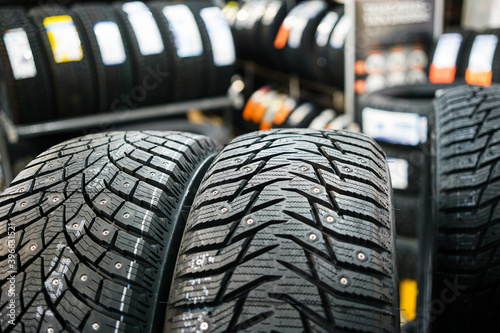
(465, 250)
(89, 231)
(290, 231)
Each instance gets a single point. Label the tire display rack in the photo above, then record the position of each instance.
(299, 88)
(11, 134)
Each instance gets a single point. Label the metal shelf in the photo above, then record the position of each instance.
(15, 133)
(11, 134)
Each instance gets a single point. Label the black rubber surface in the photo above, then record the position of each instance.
(336, 60)
(290, 231)
(97, 223)
(74, 82)
(411, 204)
(466, 275)
(154, 74)
(495, 68)
(267, 33)
(112, 80)
(219, 77)
(26, 100)
(301, 60)
(319, 54)
(189, 73)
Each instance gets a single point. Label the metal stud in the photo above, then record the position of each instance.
(361, 256)
(103, 202)
(316, 190)
(152, 174)
(344, 281)
(52, 179)
(55, 199)
(224, 209)
(313, 237)
(215, 192)
(199, 262)
(204, 326)
(250, 221)
(126, 185)
(23, 203)
(75, 226)
(95, 326)
(126, 215)
(55, 282)
(33, 247)
(105, 232)
(50, 330)
(118, 265)
(83, 277)
(330, 219)
(347, 169)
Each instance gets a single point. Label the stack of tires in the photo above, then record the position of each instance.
(61, 62)
(282, 230)
(466, 56)
(305, 38)
(269, 108)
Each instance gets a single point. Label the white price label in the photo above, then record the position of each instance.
(395, 127)
(325, 28)
(20, 54)
(220, 36)
(64, 38)
(145, 28)
(300, 113)
(110, 43)
(482, 52)
(323, 119)
(298, 22)
(183, 25)
(398, 168)
(271, 11)
(447, 49)
(339, 34)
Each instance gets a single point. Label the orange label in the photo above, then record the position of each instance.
(360, 86)
(259, 112)
(265, 125)
(479, 78)
(359, 67)
(281, 37)
(248, 110)
(281, 115)
(442, 75)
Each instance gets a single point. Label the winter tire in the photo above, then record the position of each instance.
(290, 231)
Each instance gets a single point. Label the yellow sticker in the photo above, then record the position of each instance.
(408, 297)
(64, 39)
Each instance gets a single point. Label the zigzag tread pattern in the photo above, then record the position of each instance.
(290, 231)
(93, 221)
(467, 204)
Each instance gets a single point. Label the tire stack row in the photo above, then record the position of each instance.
(285, 230)
(466, 56)
(268, 108)
(305, 38)
(61, 62)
